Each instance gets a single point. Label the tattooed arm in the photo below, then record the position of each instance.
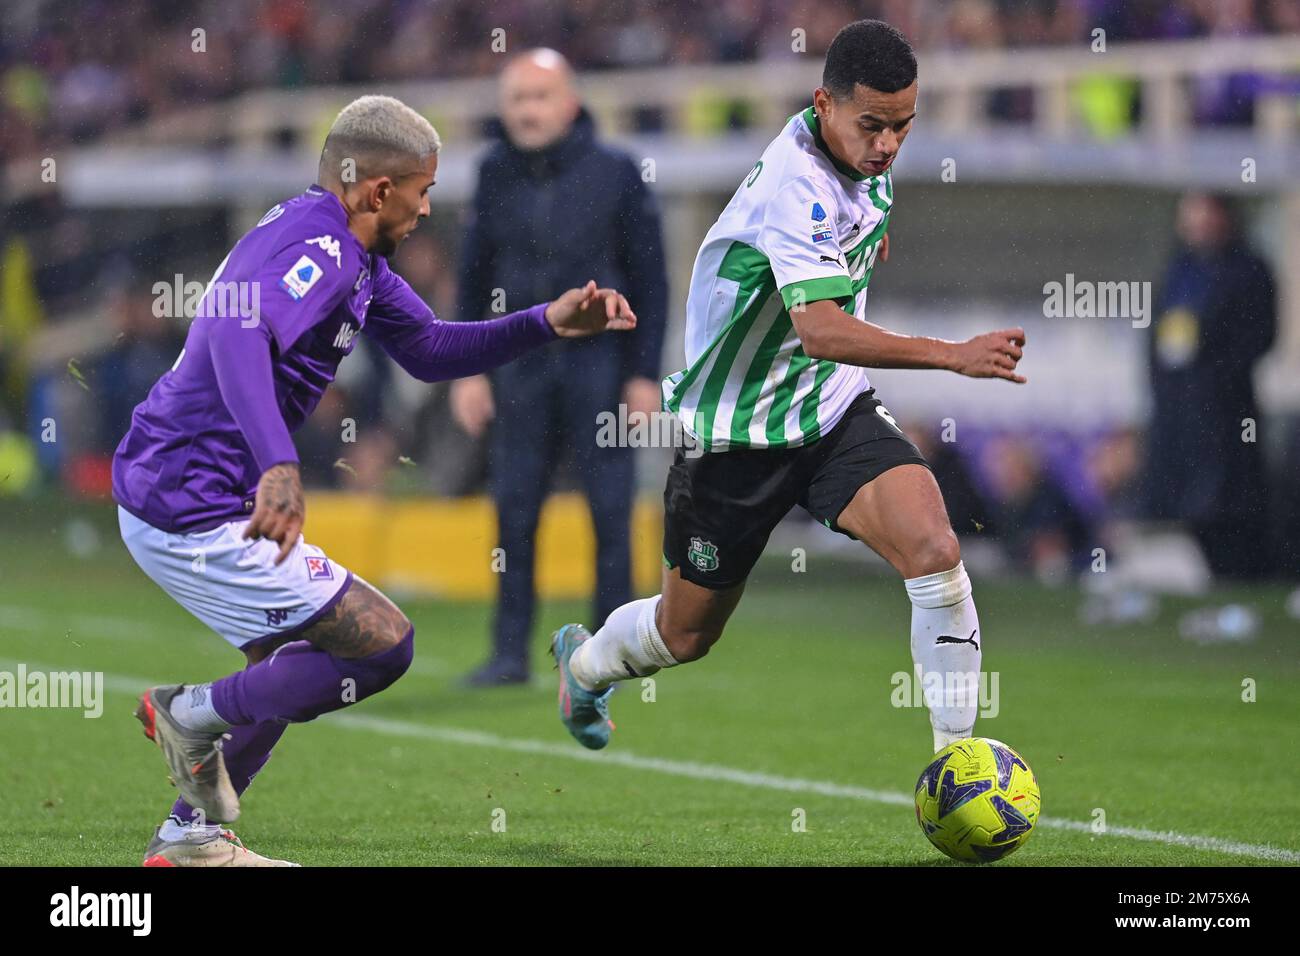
(280, 510)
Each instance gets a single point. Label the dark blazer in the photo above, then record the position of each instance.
(1216, 315)
(545, 221)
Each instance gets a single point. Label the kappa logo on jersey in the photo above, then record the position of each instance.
(318, 569)
(330, 246)
(272, 214)
(301, 277)
(361, 277)
(346, 334)
(703, 554)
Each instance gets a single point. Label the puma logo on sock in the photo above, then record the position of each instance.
(948, 639)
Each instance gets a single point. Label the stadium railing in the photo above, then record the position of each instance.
(695, 101)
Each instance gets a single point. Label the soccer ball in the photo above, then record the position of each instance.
(978, 800)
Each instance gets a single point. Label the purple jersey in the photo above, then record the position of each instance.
(281, 312)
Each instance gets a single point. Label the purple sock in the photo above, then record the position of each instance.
(299, 682)
(246, 752)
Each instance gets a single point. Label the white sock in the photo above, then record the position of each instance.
(192, 708)
(948, 670)
(627, 646)
(174, 828)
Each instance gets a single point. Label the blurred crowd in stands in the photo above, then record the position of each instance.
(72, 69)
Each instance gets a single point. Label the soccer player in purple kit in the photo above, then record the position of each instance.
(210, 502)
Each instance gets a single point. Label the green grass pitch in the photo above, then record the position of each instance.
(790, 712)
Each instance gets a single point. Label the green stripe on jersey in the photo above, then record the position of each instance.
(808, 412)
(838, 288)
(756, 377)
(752, 273)
(753, 388)
(739, 264)
(784, 398)
(750, 384)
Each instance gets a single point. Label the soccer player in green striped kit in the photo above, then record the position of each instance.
(777, 395)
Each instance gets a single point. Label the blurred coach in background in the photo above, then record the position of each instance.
(555, 205)
(1216, 316)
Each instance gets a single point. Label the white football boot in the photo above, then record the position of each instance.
(193, 757)
(204, 847)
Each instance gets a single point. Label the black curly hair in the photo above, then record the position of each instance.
(872, 53)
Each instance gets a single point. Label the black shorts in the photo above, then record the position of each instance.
(720, 507)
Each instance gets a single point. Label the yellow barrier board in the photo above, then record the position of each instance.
(446, 547)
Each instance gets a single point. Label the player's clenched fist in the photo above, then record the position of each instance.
(991, 355)
(280, 509)
(589, 310)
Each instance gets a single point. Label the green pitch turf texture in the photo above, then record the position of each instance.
(791, 711)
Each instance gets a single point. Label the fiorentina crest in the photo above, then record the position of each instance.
(318, 569)
(703, 554)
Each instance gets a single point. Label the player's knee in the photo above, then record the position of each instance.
(389, 628)
(399, 630)
(382, 669)
(689, 644)
(933, 553)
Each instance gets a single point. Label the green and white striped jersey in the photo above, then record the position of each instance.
(802, 226)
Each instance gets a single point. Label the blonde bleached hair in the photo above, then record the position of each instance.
(382, 136)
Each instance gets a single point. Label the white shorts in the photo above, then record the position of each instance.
(233, 585)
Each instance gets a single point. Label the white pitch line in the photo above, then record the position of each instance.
(716, 773)
(89, 627)
(34, 620)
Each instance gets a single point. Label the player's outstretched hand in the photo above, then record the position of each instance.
(589, 310)
(992, 355)
(280, 509)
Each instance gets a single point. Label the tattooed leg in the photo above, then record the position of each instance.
(363, 623)
(362, 646)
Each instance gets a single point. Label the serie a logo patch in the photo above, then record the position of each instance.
(821, 228)
(301, 277)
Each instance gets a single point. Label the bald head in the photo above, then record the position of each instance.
(541, 59)
(1204, 221)
(538, 100)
